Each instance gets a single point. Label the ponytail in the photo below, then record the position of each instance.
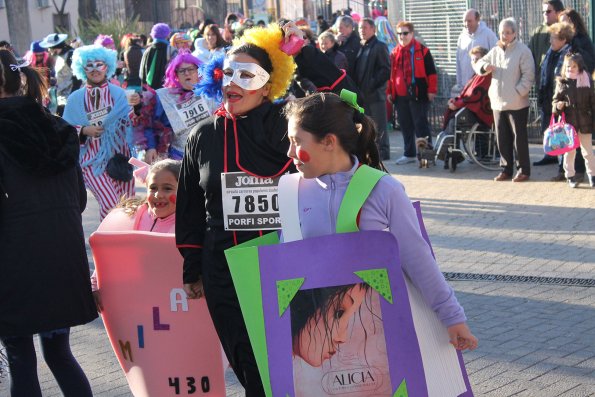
(366, 149)
(35, 86)
(324, 113)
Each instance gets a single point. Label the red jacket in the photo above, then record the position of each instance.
(474, 97)
(426, 78)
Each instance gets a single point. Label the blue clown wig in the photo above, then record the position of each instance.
(211, 79)
(90, 53)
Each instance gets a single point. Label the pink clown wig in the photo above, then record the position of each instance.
(105, 41)
(171, 78)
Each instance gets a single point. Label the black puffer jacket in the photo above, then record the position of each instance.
(44, 273)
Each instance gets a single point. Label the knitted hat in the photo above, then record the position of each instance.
(160, 31)
(35, 47)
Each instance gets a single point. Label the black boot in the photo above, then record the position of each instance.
(547, 159)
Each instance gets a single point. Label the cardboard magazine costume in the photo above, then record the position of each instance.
(165, 343)
(360, 327)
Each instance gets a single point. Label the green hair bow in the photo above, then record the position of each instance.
(350, 98)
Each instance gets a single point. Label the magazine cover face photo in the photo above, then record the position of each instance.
(338, 343)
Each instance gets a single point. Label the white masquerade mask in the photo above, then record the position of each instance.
(249, 76)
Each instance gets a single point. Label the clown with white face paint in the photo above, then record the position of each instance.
(248, 134)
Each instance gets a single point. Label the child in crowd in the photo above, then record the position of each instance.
(156, 213)
(327, 151)
(575, 97)
(101, 114)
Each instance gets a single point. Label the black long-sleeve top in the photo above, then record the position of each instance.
(262, 150)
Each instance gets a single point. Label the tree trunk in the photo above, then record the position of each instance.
(19, 25)
(216, 10)
(87, 10)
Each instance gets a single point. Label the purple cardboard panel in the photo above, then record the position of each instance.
(331, 261)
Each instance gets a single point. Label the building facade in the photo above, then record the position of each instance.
(40, 19)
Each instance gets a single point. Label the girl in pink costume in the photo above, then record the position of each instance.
(156, 213)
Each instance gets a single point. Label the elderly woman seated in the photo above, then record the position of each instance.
(474, 98)
(476, 103)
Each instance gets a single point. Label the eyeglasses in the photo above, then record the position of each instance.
(403, 33)
(190, 69)
(91, 66)
(548, 12)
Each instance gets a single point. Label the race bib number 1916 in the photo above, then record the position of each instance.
(250, 202)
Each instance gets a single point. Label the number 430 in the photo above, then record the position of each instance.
(190, 383)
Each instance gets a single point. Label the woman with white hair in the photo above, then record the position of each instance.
(513, 72)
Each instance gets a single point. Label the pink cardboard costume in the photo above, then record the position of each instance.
(165, 343)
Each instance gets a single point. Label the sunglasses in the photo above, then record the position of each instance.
(189, 70)
(403, 33)
(91, 66)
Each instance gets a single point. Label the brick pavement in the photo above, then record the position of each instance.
(535, 340)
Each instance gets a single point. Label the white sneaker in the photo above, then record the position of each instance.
(405, 160)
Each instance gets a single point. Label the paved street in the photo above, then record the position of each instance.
(537, 336)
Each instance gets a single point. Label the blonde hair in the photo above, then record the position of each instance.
(269, 40)
(132, 204)
(563, 30)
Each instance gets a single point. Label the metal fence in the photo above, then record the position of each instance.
(438, 24)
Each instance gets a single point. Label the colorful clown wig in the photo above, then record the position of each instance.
(126, 40)
(171, 77)
(180, 40)
(105, 41)
(90, 53)
(269, 39)
(211, 79)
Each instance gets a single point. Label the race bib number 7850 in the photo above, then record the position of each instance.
(250, 202)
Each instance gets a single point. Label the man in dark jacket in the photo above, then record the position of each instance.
(349, 42)
(371, 73)
(322, 24)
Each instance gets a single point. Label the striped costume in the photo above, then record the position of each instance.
(105, 106)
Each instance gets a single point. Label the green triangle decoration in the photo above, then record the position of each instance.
(402, 390)
(377, 279)
(286, 290)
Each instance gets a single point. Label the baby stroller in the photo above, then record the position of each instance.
(470, 140)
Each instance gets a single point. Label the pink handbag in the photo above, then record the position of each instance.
(560, 137)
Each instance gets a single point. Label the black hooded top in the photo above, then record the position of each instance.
(44, 273)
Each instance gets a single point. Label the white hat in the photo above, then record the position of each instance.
(52, 40)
